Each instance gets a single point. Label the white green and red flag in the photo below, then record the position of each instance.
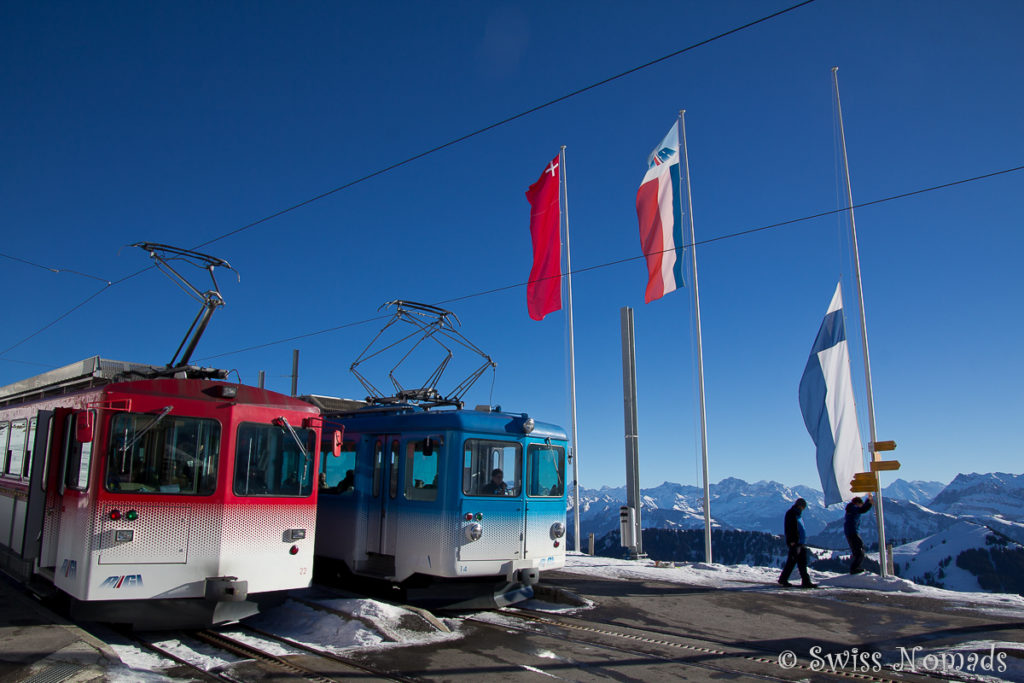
(661, 221)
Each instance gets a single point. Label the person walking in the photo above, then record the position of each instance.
(796, 539)
(851, 527)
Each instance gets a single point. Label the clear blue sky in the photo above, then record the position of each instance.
(179, 122)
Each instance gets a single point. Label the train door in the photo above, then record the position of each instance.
(493, 495)
(74, 518)
(36, 468)
(61, 421)
(381, 522)
(545, 501)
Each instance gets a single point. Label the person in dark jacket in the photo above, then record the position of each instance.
(851, 526)
(796, 538)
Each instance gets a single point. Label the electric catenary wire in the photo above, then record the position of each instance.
(608, 264)
(506, 121)
(413, 158)
(52, 269)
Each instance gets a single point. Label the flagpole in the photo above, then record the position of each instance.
(700, 351)
(572, 365)
(882, 555)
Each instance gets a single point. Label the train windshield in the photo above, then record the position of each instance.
(545, 470)
(492, 468)
(163, 454)
(269, 462)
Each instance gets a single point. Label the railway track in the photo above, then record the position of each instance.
(685, 650)
(311, 664)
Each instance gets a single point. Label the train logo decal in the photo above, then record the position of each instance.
(69, 568)
(127, 580)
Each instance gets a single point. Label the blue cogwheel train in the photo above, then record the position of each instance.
(464, 507)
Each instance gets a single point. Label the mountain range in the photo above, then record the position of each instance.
(981, 516)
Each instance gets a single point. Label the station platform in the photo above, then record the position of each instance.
(37, 645)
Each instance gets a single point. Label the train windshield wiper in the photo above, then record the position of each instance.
(305, 454)
(142, 432)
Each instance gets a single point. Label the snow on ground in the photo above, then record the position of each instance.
(745, 577)
(142, 665)
(303, 624)
(552, 607)
(138, 665)
(369, 624)
(343, 625)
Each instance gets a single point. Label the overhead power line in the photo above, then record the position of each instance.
(411, 159)
(608, 264)
(505, 121)
(52, 269)
(74, 308)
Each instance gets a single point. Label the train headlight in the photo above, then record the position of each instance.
(474, 531)
(528, 425)
(557, 530)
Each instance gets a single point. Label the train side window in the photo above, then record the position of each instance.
(26, 466)
(337, 474)
(16, 448)
(421, 462)
(268, 461)
(162, 454)
(485, 461)
(77, 457)
(46, 454)
(393, 472)
(378, 465)
(5, 455)
(545, 470)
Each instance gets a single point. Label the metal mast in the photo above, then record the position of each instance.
(700, 352)
(572, 364)
(882, 556)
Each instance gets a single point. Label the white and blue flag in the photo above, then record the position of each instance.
(826, 401)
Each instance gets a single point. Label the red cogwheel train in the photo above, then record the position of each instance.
(156, 496)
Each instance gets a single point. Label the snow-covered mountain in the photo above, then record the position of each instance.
(983, 495)
(968, 535)
(965, 556)
(913, 510)
(913, 491)
(735, 504)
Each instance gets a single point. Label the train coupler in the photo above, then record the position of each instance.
(529, 576)
(226, 589)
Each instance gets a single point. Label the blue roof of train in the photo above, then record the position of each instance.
(414, 418)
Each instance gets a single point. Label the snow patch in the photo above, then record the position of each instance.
(744, 577)
(373, 624)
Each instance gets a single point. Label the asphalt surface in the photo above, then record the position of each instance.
(634, 631)
(37, 644)
(678, 632)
